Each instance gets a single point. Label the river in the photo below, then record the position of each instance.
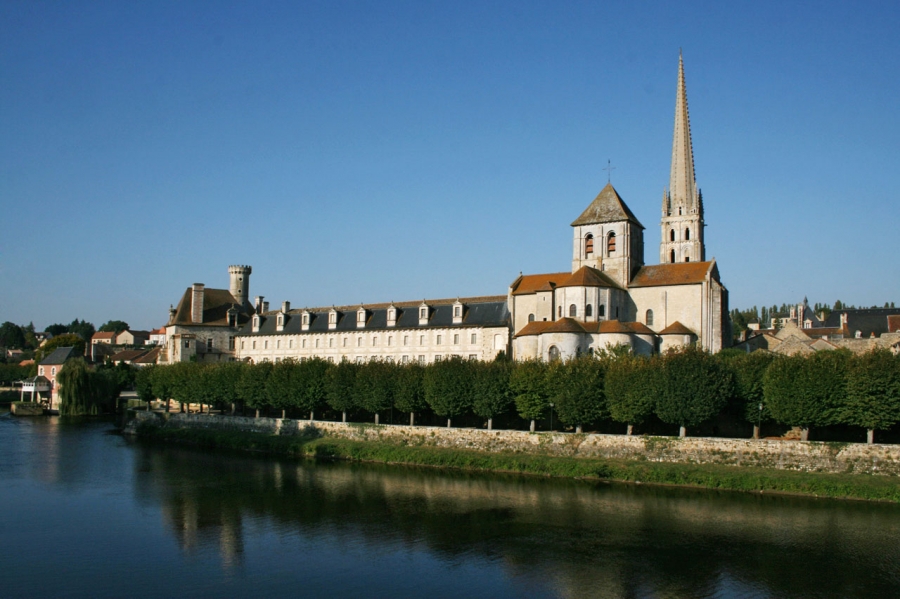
(88, 513)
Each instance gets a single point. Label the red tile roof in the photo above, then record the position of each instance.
(570, 325)
(676, 328)
(682, 273)
(103, 335)
(526, 284)
(588, 277)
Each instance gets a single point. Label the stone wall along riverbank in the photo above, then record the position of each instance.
(809, 456)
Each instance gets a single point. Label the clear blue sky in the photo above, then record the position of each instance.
(378, 151)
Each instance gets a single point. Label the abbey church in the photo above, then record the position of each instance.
(609, 297)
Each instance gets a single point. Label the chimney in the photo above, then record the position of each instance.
(285, 307)
(844, 318)
(258, 303)
(265, 306)
(197, 303)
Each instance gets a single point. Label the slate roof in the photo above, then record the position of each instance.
(526, 284)
(867, 321)
(216, 303)
(681, 273)
(607, 207)
(59, 356)
(588, 277)
(489, 311)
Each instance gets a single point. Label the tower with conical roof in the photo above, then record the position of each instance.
(682, 206)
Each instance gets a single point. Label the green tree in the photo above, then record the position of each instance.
(409, 392)
(143, 384)
(807, 391)
(448, 387)
(492, 394)
(339, 383)
(67, 340)
(576, 390)
(373, 389)
(749, 371)
(75, 396)
(223, 383)
(632, 385)
(11, 336)
(252, 385)
(873, 391)
(310, 384)
(528, 383)
(696, 388)
(82, 328)
(114, 326)
(57, 329)
(279, 386)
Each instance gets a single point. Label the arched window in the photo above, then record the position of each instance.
(559, 311)
(649, 318)
(588, 245)
(601, 310)
(679, 211)
(573, 311)
(687, 234)
(611, 243)
(672, 256)
(588, 311)
(531, 318)
(686, 257)
(553, 354)
(672, 235)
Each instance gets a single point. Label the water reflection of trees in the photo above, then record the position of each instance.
(580, 538)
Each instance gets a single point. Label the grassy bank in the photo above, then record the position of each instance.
(709, 476)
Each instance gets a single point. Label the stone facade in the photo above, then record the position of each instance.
(403, 332)
(810, 456)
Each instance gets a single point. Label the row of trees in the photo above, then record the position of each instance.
(684, 388)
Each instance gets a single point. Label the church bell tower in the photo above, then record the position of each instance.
(682, 206)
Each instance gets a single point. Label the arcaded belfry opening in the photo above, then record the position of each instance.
(240, 282)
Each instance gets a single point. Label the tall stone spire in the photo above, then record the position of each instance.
(682, 206)
(682, 187)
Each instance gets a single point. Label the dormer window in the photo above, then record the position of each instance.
(305, 317)
(588, 245)
(279, 323)
(424, 313)
(332, 318)
(256, 321)
(457, 312)
(361, 317)
(392, 316)
(231, 316)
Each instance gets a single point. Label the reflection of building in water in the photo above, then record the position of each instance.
(197, 524)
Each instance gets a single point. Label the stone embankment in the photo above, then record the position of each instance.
(808, 456)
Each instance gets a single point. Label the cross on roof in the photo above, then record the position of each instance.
(609, 169)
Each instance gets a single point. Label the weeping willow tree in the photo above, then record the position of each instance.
(83, 391)
(75, 394)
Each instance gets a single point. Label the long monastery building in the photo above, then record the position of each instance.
(609, 297)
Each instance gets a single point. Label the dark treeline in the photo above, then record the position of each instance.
(612, 390)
